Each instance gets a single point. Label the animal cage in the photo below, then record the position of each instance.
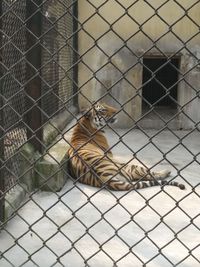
(99, 103)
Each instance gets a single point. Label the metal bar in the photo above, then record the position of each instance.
(75, 52)
(2, 184)
(33, 88)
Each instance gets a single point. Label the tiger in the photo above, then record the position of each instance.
(91, 160)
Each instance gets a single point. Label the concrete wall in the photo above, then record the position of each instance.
(112, 37)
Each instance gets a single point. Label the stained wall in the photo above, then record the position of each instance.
(113, 39)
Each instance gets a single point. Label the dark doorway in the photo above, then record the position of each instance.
(160, 83)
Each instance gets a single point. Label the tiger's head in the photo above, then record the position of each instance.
(101, 115)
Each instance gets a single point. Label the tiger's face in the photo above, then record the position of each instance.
(101, 115)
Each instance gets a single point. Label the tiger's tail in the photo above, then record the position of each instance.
(150, 183)
(117, 184)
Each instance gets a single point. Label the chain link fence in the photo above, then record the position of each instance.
(61, 57)
(57, 57)
(13, 79)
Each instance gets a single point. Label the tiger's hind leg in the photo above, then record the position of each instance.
(161, 174)
(112, 179)
(136, 172)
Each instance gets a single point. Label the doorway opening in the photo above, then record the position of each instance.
(160, 85)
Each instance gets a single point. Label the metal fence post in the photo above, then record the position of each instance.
(75, 52)
(33, 85)
(2, 185)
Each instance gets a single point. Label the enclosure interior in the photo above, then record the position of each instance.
(160, 84)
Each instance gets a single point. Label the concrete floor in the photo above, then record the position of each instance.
(159, 228)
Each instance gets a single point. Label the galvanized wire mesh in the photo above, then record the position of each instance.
(56, 83)
(141, 57)
(57, 55)
(12, 83)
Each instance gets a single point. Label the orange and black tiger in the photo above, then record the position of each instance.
(91, 161)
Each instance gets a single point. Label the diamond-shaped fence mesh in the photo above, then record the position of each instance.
(99, 133)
